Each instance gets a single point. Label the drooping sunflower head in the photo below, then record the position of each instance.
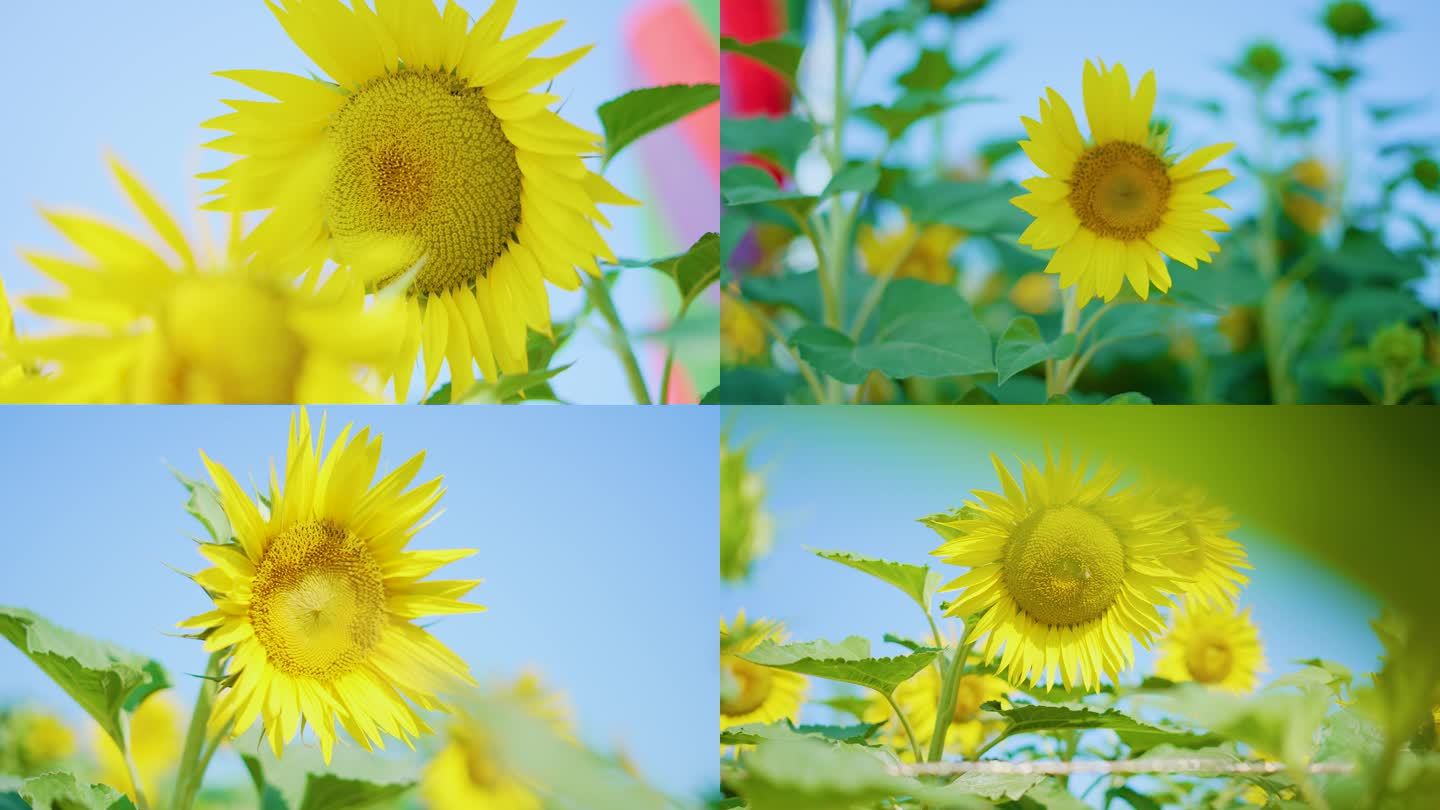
(155, 739)
(1212, 563)
(1214, 646)
(145, 324)
(470, 770)
(910, 252)
(1066, 570)
(427, 136)
(919, 698)
(751, 693)
(1112, 204)
(315, 599)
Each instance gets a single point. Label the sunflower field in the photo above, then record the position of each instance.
(1262, 231)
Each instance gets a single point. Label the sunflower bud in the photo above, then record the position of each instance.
(1261, 63)
(1397, 347)
(1350, 19)
(958, 8)
(1426, 173)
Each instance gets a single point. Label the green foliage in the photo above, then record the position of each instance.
(692, 271)
(779, 140)
(61, 791)
(1021, 347)
(744, 525)
(848, 661)
(754, 733)
(103, 679)
(1140, 737)
(638, 113)
(204, 506)
(781, 55)
(916, 581)
(325, 791)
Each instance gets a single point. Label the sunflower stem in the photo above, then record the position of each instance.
(1058, 378)
(193, 758)
(905, 724)
(141, 801)
(1273, 327)
(949, 690)
(599, 293)
(816, 389)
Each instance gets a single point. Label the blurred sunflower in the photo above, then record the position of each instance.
(428, 139)
(919, 698)
(1065, 572)
(469, 773)
(1034, 293)
(914, 253)
(742, 338)
(1216, 647)
(11, 369)
(750, 693)
(155, 739)
(315, 599)
(1304, 200)
(1112, 205)
(1209, 560)
(40, 738)
(190, 329)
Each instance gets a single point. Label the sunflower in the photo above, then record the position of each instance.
(39, 740)
(11, 369)
(914, 253)
(1112, 205)
(155, 735)
(1211, 562)
(1034, 293)
(750, 693)
(919, 698)
(188, 329)
(1065, 572)
(1216, 647)
(428, 138)
(1304, 200)
(742, 338)
(467, 772)
(314, 600)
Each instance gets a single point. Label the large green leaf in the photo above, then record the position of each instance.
(783, 55)
(1278, 722)
(751, 185)
(780, 139)
(849, 661)
(326, 791)
(753, 733)
(204, 505)
(916, 581)
(896, 118)
(638, 113)
(1363, 256)
(99, 676)
(903, 17)
(999, 786)
(747, 385)
(812, 774)
(1022, 347)
(692, 271)
(853, 176)
(1030, 719)
(269, 796)
(60, 791)
(975, 207)
(917, 346)
(509, 388)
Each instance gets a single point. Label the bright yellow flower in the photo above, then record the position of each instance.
(467, 773)
(742, 338)
(152, 328)
(1306, 205)
(11, 369)
(1034, 293)
(919, 698)
(44, 738)
(750, 693)
(1066, 571)
(1216, 647)
(1209, 560)
(1110, 206)
(428, 137)
(928, 259)
(316, 598)
(155, 739)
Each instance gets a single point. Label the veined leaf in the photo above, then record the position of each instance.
(753, 733)
(812, 774)
(59, 790)
(638, 113)
(849, 661)
(974, 207)
(999, 786)
(326, 791)
(1022, 347)
(916, 581)
(204, 506)
(509, 387)
(751, 185)
(1029, 719)
(692, 271)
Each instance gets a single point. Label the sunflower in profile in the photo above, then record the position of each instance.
(468, 772)
(427, 138)
(751, 693)
(1214, 646)
(180, 328)
(315, 600)
(156, 730)
(919, 698)
(914, 253)
(1212, 563)
(1110, 206)
(1066, 571)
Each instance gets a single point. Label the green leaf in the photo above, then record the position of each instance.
(932, 71)
(781, 139)
(1133, 320)
(1030, 719)
(919, 345)
(1128, 398)
(856, 706)
(1022, 347)
(748, 385)
(783, 55)
(874, 30)
(325, 791)
(849, 662)
(269, 796)
(916, 581)
(204, 506)
(60, 791)
(1280, 722)
(999, 786)
(750, 185)
(812, 774)
(753, 733)
(981, 63)
(692, 271)
(911, 108)
(1132, 797)
(974, 207)
(99, 676)
(639, 112)
(1364, 256)
(830, 352)
(510, 387)
(801, 292)
(854, 176)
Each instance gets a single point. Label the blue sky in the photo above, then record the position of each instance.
(595, 529)
(137, 78)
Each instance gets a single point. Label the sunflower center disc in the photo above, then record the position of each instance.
(1120, 190)
(421, 156)
(749, 685)
(228, 340)
(318, 601)
(1064, 566)
(1209, 660)
(968, 697)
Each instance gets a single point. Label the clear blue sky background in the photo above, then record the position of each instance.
(857, 482)
(596, 530)
(136, 78)
(1188, 45)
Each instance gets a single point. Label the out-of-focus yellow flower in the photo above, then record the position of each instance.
(1306, 206)
(155, 739)
(1238, 325)
(745, 527)
(751, 693)
(923, 255)
(1183, 345)
(44, 739)
(1034, 293)
(1214, 646)
(742, 338)
(919, 698)
(11, 369)
(878, 389)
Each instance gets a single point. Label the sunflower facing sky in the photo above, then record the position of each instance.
(1110, 206)
(1068, 572)
(147, 325)
(316, 598)
(426, 143)
(1214, 646)
(919, 698)
(751, 693)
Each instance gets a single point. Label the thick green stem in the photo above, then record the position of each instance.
(193, 757)
(905, 724)
(949, 688)
(141, 801)
(599, 294)
(1057, 375)
(987, 746)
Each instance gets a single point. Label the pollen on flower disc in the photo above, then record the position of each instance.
(421, 155)
(1064, 566)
